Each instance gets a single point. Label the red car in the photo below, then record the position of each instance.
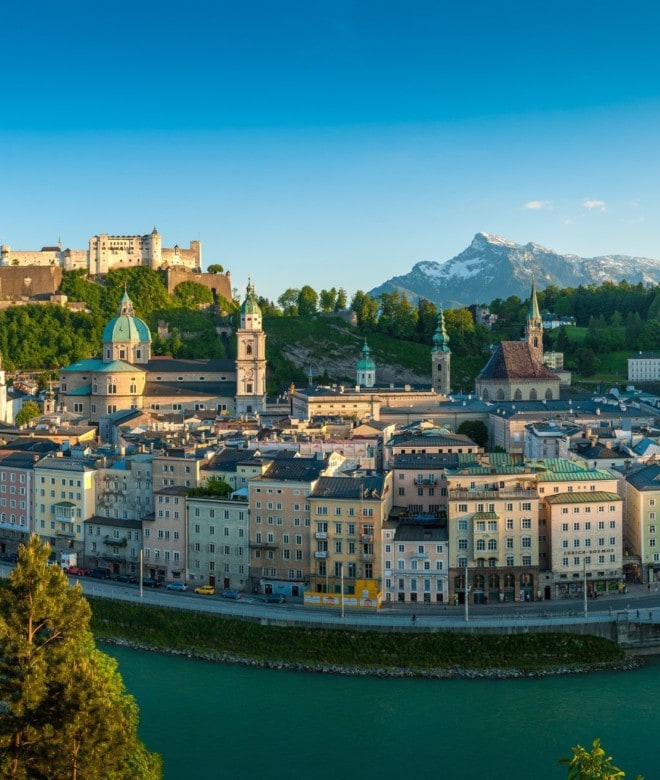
(77, 571)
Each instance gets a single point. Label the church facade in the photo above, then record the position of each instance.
(127, 376)
(515, 371)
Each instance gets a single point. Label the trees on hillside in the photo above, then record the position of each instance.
(65, 712)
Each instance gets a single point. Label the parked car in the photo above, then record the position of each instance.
(273, 598)
(205, 590)
(228, 593)
(130, 578)
(100, 574)
(149, 583)
(176, 586)
(77, 571)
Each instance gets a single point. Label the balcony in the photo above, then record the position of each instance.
(264, 545)
(321, 535)
(321, 554)
(67, 533)
(367, 557)
(482, 493)
(431, 481)
(115, 542)
(367, 538)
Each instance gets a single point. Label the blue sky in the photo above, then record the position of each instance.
(331, 142)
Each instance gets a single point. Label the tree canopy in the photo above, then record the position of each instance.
(65, 709)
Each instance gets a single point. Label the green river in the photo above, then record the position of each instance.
(214, 721)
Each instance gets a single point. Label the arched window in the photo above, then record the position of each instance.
(517, 396)
(532, 395)
(500, 394)
(248, 349)
(485, 396)
(548, 394)
(492, 544)
(481, 544)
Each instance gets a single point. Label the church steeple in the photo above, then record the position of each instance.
(441, 358)
(534, 327)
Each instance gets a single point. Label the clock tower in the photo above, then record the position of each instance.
(250, 358)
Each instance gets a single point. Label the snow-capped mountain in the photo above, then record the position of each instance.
(494, 267)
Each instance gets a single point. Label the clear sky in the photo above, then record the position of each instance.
(331, 142)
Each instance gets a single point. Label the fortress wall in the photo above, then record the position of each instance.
(28, 281)
(221, 283)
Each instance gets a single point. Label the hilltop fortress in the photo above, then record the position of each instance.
(104, 253)
(107, 253)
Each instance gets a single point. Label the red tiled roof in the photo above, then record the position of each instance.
(515, 360)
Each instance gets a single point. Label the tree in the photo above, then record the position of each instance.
(29, 411)
(587, 362)
(340, 303)
(308, 301)
(65, 709)
(214, 487)
(288, 302)
(366, 310)
(192, 294)
(476, 430)
(215, 268)
(592, 764)
(328, 299)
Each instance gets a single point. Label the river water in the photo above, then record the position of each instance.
(215, 721)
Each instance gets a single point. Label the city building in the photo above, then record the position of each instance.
(281, 551)
(642, 521)
(415, 560)
(218, 540)
(64, 497)
(347, 515)
(580, 529)
(493, 533)
(644, 367)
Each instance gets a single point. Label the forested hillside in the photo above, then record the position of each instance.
(612, 321)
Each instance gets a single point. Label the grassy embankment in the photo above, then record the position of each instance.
(204, 634)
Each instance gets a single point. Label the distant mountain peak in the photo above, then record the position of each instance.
(493, 266)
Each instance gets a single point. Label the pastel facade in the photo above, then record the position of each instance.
(347, 515)
(642, 521)
(493, 535)
(64, 497)
(415, 561)
(218, 541)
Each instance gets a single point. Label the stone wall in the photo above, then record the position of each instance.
(221, 283)
(29, 281)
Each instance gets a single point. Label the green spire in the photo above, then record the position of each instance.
(440, 337)
(534, 313)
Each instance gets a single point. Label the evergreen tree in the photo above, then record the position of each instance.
(65, 713)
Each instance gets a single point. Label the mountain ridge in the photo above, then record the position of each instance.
(493, 266)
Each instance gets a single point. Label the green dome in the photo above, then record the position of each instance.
(126, 326)
(250, 305)
(365, 363)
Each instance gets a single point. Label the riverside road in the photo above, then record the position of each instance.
(638, 604)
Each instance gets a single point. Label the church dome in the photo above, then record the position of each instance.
(250, 305)
(365, 363)
(126, 327)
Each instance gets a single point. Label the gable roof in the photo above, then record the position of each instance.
(515, 360)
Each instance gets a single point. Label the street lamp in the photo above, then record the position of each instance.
(466, 591)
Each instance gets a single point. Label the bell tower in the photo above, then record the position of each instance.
(250, 358)
(534, 326)
(441, 358)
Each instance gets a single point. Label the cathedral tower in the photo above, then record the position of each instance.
(251, 357)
